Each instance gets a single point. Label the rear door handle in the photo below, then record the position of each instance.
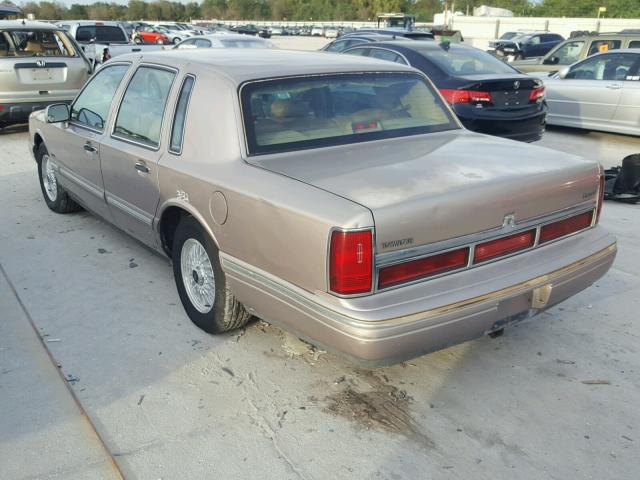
(614, 86)
(141, 167)
(90, 148)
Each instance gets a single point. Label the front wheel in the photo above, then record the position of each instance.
(201, 283)
(56, 197)
(160, 41)
(176, 41)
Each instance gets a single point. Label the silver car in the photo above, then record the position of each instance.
(224, 40)
(601, 92)
(40, 64)
(338, 196)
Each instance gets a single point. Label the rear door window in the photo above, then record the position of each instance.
(600, 46)
(615, 66)
(143, 104)
(634, 44)
(91, 107)
(386, 55)
(35, 43)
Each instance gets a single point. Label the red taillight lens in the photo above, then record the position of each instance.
(466, 96)
(351, 262)
(565, 227)
(503, 246)
(600, 198)
(538, 93)
(424, 267)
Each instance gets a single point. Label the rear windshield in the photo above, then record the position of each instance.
(468, 61)
(35, 43)
(100, 33)
(317, 111)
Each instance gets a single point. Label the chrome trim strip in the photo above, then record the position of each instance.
(129, 209)
(398, 256)
(81, 182)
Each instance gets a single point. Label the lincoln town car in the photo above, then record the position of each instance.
(338, 197)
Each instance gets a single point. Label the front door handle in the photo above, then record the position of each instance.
(141, 167)
(614, 86)
(89, 148)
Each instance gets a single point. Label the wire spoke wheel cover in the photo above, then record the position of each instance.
(197, 275)
(49, 179)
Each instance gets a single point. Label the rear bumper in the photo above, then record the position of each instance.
(527, 129)
(19, 112)
(393, 326)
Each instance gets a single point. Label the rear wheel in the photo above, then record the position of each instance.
(56, 197)
(176, 41)
(201, 283)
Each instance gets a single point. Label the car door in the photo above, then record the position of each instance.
(75, 146)
(533, 46)
(627, 114)
(130, 155)
(590, 92)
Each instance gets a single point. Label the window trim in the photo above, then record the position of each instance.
(406, 60)
(248, 153)
(146, 146)
(186, 112)
(84, 126)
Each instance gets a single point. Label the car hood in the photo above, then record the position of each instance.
(439, 186)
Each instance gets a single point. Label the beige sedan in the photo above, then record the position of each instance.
(336, 196)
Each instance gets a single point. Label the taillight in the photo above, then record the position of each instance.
(351, 262)
(466, 96)
(503, 246)
(600, 198)
(421, 268)
(538, 93)
(565, 227)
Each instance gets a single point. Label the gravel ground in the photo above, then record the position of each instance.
(171, 402)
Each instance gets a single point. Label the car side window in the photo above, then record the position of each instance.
(600, 46)
(92, 105)
(337, 46)
(535, 40)
(634, 44)
(386, 55)
(187, 44)
(202, 43)
(143, 104)
(363, 52)
(603, 67)
(177, 130)
(569, 52)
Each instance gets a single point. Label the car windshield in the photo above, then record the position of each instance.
(521, 38)
(300, 113)
(467, 61)
(35, 43)
(508, 35)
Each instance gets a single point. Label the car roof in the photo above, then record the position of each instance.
(419, 47)
(241, 65)
(26, 25)
(229, 36)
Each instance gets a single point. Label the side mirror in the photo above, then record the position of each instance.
(551, 61)
(57, 113)
(563, 73)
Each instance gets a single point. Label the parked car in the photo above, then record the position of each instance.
(528, 45)
(317, 31)
(275, 30)
(331, 32)
(94, 37)
(337, 196)
(347, 41)
(506, 36)
(175, 32)
(601, 92)
(488, 95)
(575, 49)
(151, 34)
(232, 40)
(251, 30)
(40, 64)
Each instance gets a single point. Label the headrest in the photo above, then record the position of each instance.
(288, 109)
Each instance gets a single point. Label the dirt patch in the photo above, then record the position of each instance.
(375, 404)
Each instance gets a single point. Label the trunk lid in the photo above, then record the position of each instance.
(426, 189)
(508, 92)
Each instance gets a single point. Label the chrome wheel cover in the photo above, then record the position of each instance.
(49, 179)
(197, 275)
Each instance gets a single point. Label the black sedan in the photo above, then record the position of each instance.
(488, 95)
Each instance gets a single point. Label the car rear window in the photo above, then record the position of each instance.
(100, 33)
(35, 43)
(316, 111)
(468, 61)
(241, 43)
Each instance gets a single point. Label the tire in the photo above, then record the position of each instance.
(159, 42)
(226, 313)
(56, 197)
(176, 41)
